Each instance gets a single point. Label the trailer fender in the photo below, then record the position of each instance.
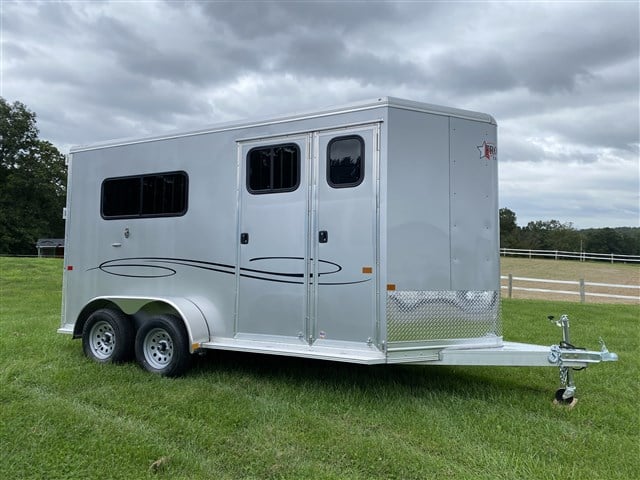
(143, 307)
(194, 321)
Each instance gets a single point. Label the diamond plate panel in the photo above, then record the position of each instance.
(438, 315)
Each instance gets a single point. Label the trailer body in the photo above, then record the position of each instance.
(366, 233)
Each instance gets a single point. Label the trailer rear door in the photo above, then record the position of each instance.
(345, 224)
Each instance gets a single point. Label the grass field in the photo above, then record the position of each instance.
(263, 417)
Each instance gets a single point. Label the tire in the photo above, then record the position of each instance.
(162, 346)
(559, 400)
(107, 336)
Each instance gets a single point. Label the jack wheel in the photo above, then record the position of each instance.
(559, 400)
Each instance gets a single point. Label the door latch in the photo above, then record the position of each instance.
(323, 236)
(244, 238)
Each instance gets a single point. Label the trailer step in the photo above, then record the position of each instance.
(362, 354)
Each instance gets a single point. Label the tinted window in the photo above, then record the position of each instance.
(121, 197)
(273, 169)
(162, 194)
(345, 167)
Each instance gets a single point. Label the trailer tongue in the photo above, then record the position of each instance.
(564, 355)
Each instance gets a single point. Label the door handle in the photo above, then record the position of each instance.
(244, 238)
(323, 236)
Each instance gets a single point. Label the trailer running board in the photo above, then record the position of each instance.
(336, 351)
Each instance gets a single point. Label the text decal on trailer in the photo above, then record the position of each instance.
(488, 151)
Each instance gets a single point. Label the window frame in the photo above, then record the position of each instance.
(140, 178)
(362, 161)
(267, 191)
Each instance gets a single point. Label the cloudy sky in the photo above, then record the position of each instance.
(561, 78)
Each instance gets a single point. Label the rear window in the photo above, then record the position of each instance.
(345, 161)
(149, 195)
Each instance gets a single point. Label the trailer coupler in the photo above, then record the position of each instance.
(569, 358)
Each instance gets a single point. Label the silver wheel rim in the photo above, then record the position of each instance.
(158, 348)
(102, 340)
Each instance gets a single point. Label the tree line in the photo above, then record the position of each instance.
(33, 192)
(554, 235)
(32, 182)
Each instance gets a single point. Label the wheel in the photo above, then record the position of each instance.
(162, 346)
(107, 336)
(559, 400)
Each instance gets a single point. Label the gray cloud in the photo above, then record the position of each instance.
(483, 73)
(265, 19)
(561, 78)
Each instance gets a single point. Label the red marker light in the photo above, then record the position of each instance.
(69, 267)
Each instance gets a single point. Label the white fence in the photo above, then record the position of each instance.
(557, 254)
(581, 290)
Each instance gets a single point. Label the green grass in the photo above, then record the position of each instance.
(248, 416)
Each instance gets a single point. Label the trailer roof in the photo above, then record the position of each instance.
(351, 107)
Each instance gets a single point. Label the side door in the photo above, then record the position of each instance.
(345, 234)
(273, 266)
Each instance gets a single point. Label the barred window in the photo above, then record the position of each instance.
(273, 169)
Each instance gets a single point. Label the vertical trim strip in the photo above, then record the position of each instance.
(450, 210)
(239, 163)
(376, 300)
(308, 267)
(314, 241)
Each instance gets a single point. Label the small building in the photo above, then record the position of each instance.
(50, 247)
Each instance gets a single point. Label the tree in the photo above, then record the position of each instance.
(605, 240)
(32, 182)
(630, 240)
(550, 235)
(508, 229)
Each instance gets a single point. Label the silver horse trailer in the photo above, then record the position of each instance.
(366, 233)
